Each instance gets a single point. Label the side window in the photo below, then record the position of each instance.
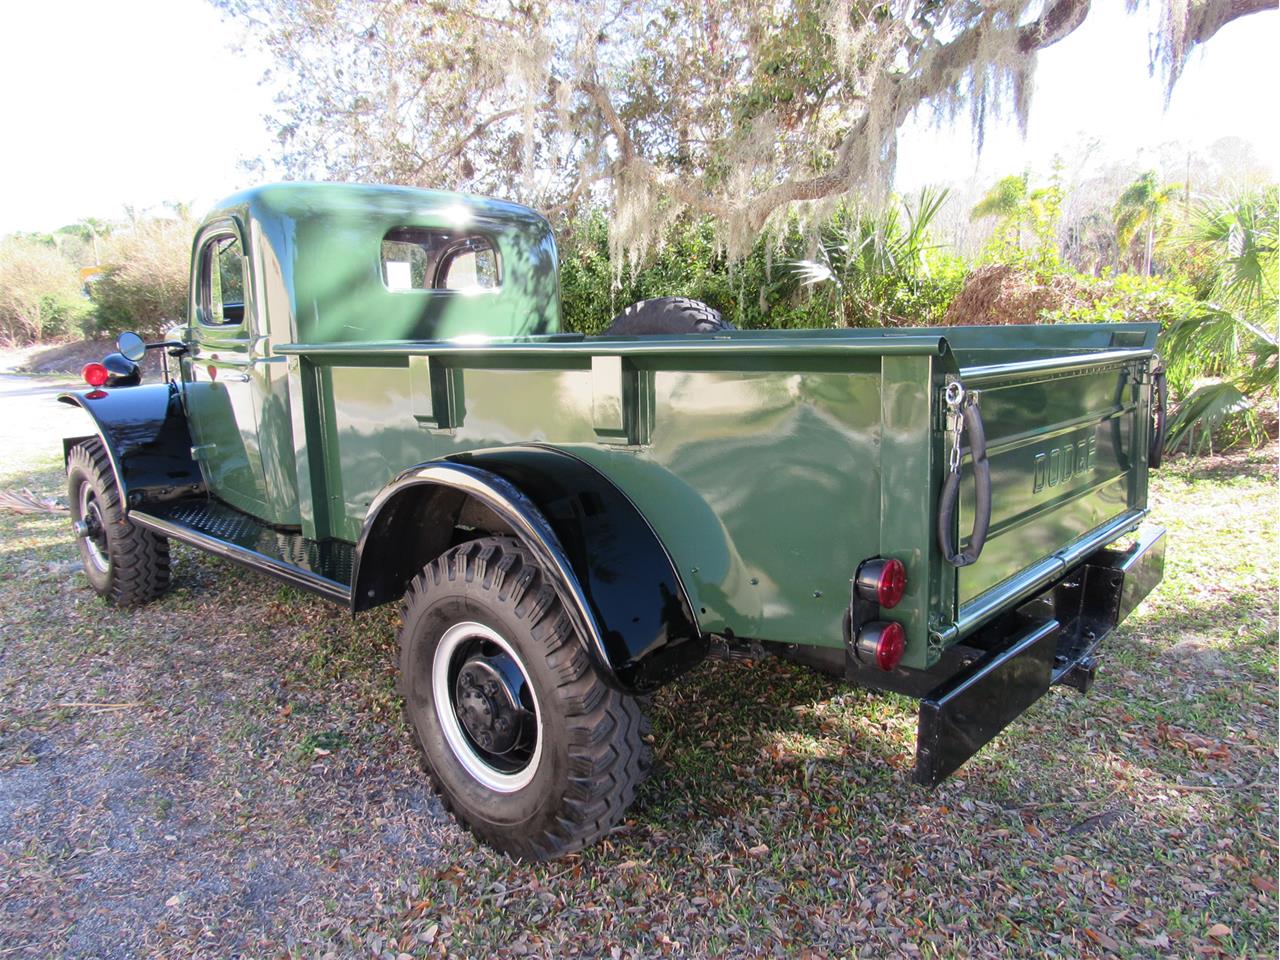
(418, 259)
(222, 275)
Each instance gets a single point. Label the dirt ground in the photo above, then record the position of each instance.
(224, 773)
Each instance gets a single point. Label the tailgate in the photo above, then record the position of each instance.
(1067, 443)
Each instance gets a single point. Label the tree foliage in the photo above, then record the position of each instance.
(862, 269)
(877, 266)
(39, 292)
(1140, 212)
(1027, 229)
(1233, 333)
(144, 286)
(739, 112)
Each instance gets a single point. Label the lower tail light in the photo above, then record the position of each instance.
(881, 642)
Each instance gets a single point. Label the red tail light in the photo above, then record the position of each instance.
(882, 581)
(882, 642)
(95, 374)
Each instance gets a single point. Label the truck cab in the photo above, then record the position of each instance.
(277, 265)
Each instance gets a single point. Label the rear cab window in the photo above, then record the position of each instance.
(415, 258)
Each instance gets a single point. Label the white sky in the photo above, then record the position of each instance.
(128, 102)
(147, 101)
(1096, 84)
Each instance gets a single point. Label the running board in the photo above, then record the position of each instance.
(320, 566)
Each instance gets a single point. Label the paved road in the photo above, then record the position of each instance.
(32, 422)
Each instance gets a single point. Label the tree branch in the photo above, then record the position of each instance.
(1060, 19)
(630, 160)
(600, 97)
(456, 147)
(1205, 19)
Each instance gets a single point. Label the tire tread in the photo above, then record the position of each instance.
(609, 756)
(140, 562)
(667, 315)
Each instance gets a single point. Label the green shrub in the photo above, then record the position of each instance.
(765, 289)
(144, 287)
(1128, 298)
(40, 296)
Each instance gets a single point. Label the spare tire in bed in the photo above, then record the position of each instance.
(664, 315)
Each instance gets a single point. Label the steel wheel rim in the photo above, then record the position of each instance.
(455, 650)
(95, 543)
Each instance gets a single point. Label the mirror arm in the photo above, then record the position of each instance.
(173, 346)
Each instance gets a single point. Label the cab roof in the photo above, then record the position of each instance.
(319, 250)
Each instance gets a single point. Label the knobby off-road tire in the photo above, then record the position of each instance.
(485, 639)
(125, 564)
(666, 315)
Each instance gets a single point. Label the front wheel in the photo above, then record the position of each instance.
(125, 564)
(523, 740)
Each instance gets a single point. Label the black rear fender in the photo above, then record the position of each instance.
(611, 571)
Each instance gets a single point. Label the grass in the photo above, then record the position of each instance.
(241, 782)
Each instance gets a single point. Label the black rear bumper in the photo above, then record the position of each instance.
(1051, 639)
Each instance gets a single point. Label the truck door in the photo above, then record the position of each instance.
(220, 389)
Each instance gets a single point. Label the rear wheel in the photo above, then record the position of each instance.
(125, 564)
(667, 315)
(523, 740)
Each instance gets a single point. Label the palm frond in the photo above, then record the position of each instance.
(1206, 342)
(810, 272)
(1128, 222)
(1261, 375)
(1201, 414)
(24, 501)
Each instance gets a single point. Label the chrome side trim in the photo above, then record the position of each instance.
(1082, 362)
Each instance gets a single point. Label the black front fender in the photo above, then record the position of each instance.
(614, 576)
(144, 430)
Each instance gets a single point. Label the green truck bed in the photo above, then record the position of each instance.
(771, 463)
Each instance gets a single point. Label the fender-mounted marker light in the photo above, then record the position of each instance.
(95, 374)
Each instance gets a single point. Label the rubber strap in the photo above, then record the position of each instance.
(1155, 454)
(982, 495)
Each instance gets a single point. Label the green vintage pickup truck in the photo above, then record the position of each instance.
(373, 400)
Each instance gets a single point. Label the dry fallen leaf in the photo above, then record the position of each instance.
(1101, 939)
(1219, 931)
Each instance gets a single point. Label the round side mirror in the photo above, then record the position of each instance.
(132, 346)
